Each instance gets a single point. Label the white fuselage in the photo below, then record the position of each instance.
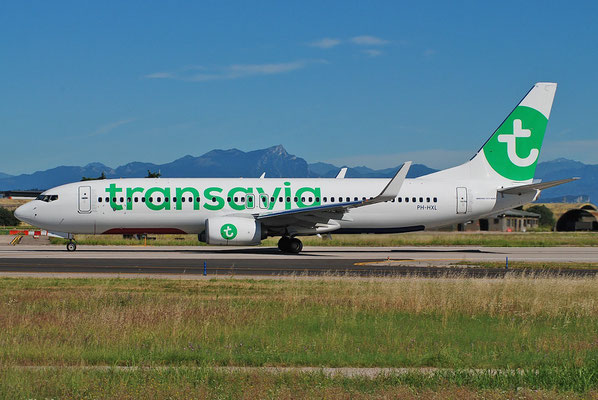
(183, 205)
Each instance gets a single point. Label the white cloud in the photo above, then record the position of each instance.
(366, 40)
(325, 43)
(111, 126)
(159, 75)
(234, 71)
(373, 52)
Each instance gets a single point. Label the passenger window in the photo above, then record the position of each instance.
(421, 199)
(413, 199)
(325, 199)
(183, 199)
(288, 199)
(272, 199)
(427, 199)
(348, 199)
(355, 199)
(151, 199)
(317, 199)
(406, 199)
(280, 199)
(228, 199)
(197, 199)
(295, 199)
(190, 199)
(166, 199)
(143, 199)
(400, 199)
(128, 199)
(114, 199)
(99, 199)
(136, 199)
(435, 200)
(309, 199)
(332, 199)
(303, 199)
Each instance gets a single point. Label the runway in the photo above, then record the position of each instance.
(268, 261)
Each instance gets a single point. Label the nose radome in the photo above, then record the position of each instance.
(23, 213)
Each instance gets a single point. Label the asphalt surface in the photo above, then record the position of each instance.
(265, 261)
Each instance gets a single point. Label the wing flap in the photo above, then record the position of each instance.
(334, 211)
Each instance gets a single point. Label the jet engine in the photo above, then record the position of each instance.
(234, 231)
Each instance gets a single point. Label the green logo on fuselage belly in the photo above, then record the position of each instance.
(514, 148)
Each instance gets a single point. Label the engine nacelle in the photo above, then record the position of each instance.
(234, 231)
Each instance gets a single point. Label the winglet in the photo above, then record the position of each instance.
(263, 175)
(394, 186)
(341, 174)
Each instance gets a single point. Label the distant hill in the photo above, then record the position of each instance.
(277, 162)
(330, 171)
(561, 168)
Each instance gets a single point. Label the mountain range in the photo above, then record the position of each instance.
(277, 162)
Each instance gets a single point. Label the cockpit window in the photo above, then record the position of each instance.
(47, 197)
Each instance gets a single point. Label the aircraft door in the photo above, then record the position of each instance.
(263, 201)
(84, 199)
(461, 200)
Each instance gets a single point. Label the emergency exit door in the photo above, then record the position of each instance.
(84, 199)
(461, 200)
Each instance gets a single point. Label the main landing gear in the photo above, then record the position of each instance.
(290, 245)
(71, 245)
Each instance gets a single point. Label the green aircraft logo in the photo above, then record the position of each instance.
(228, 231)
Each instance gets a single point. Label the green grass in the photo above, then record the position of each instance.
(208, 383)
(544, 327)
(490, 239)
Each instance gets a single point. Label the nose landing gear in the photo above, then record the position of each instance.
(71, 246)
(290, 245)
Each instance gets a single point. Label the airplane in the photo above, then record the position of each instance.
(244, 211)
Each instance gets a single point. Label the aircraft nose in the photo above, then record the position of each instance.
(24, 213)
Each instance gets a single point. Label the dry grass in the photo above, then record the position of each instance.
(545, 326)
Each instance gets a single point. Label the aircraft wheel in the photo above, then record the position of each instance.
(295, 246)
(71, 246)
(283, 244)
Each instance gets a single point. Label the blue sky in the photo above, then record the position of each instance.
(357, 83)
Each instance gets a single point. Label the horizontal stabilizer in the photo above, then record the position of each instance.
(534, 186)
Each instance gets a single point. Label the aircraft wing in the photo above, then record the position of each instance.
(534, 186)
(310, 216)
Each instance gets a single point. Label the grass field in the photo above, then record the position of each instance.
(546, 328)
(493, 239)
(532, 266)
